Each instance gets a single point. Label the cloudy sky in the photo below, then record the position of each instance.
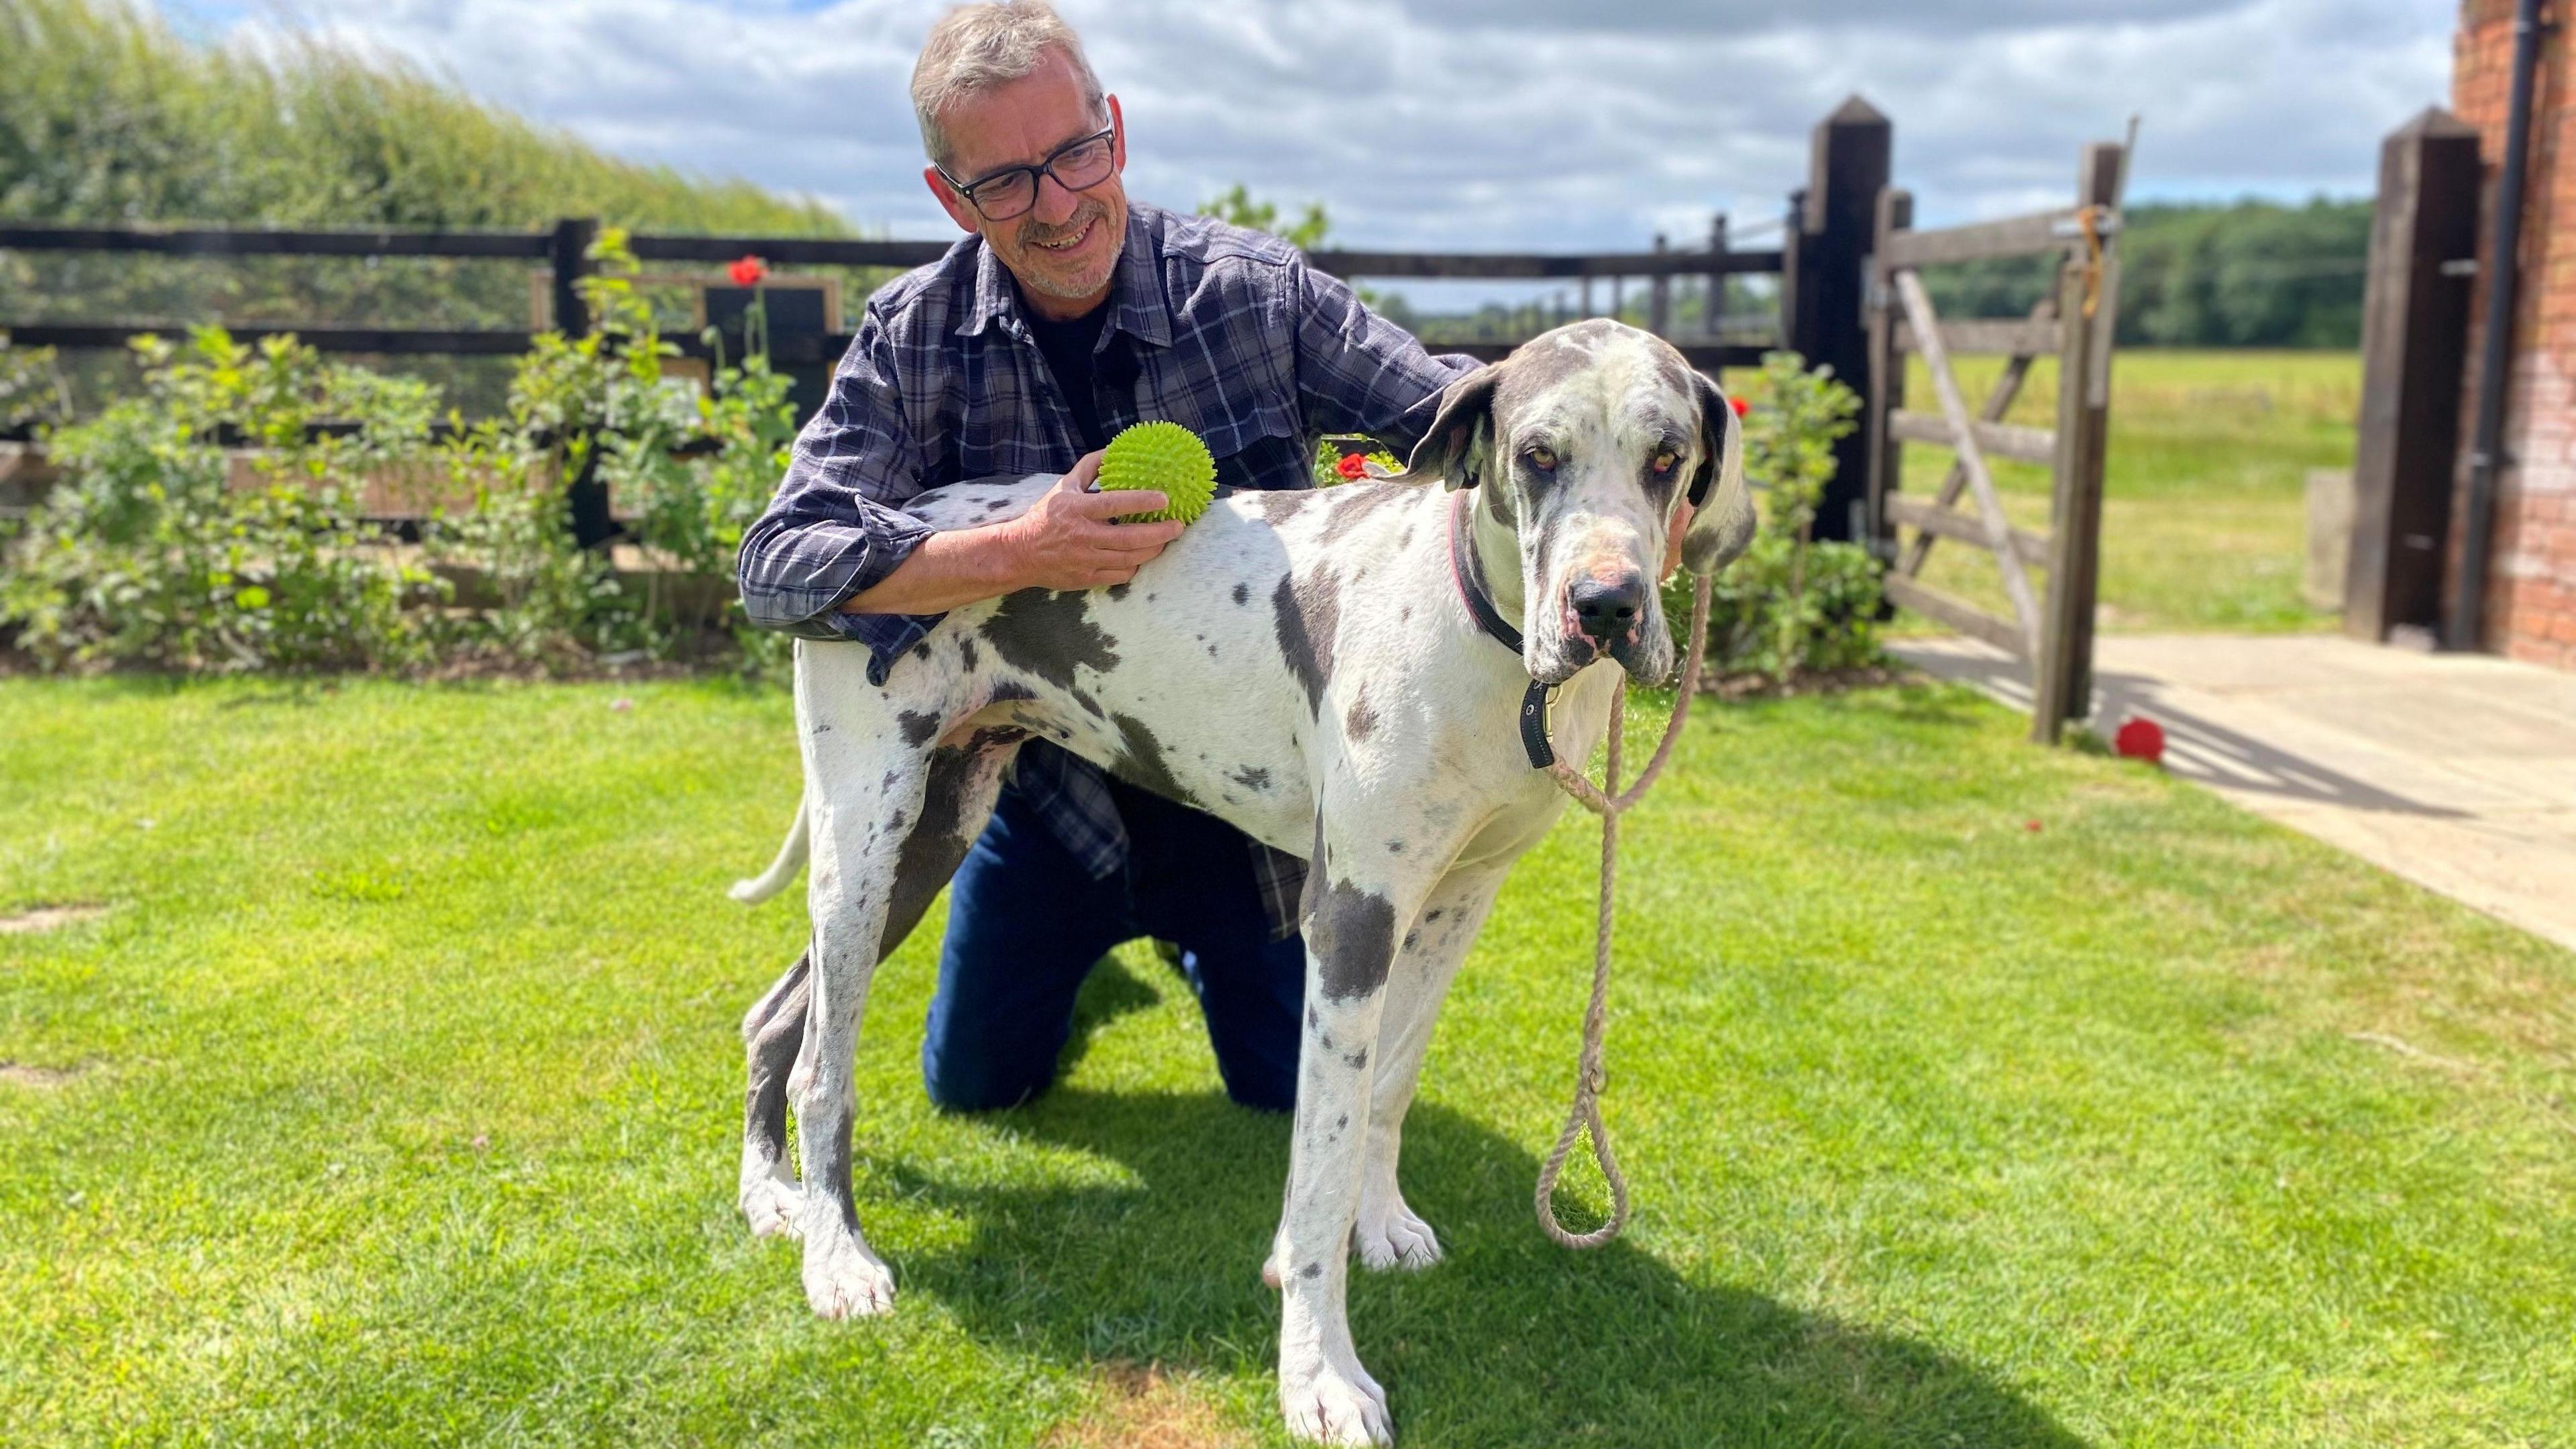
(1502, 124)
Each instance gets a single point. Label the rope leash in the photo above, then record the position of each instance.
(1609, 802)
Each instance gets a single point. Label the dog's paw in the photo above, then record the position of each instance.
(769, 1207)
(844, 1280)
(1395, 1239)
(1333, 1406)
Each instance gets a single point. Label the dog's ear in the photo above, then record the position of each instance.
(1722, 523)
(1457, 444)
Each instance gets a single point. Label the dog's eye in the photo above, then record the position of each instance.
(1543, 459)
(1665, 460)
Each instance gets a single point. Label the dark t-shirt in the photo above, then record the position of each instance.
(1068, 348)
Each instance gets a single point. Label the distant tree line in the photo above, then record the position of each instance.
(2244, 274)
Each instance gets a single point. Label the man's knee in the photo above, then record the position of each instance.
(956, 1084)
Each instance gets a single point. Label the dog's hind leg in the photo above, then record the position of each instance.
(771, 1033)
(1388, 1234)
(889, 827)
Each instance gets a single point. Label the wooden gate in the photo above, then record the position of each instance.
(2051, 632)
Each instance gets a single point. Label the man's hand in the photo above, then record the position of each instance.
(1067, 541)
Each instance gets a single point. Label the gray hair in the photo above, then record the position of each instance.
(974, 48)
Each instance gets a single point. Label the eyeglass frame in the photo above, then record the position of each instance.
(1039, 174)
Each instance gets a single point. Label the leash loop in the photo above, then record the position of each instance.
(1592, 1072)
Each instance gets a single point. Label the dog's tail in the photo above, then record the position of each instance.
(791, 859)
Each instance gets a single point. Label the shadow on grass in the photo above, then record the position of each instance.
(1511, 1341)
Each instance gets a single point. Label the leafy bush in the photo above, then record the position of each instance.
(164, 547)
(1789, 605)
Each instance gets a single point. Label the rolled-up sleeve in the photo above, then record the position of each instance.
(835, 529)
(1358, 372)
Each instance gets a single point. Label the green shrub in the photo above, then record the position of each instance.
(159, 549)
(1789, 605)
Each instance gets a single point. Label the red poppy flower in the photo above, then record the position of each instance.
(1352, 465)
(748, 272)
(1740, 405)
(2140, 739)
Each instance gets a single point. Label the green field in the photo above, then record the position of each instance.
(1973, 1094)
(2204, 520)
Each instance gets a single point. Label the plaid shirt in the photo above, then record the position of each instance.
(1223, 330)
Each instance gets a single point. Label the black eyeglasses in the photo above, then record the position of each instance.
(1011, 191)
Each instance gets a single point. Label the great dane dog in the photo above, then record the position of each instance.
(1312, 667)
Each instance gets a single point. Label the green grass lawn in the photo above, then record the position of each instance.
(2204, 520)
(1974, 1095)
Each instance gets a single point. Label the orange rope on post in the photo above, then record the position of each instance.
(1609, 802)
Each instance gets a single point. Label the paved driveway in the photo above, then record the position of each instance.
(2455, 771)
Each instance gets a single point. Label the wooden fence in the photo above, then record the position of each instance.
(2053, 635)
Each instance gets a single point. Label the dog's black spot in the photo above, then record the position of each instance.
(921, 650)
(833, 1159)
(936, 846)
(1353, 502)
(1411, 939)
(1252, 777)
(1306, 616)
(1278, 505)
(1361, 721)
(1343, 1120)
(890, 780)
(1395, 847)
(1117, 593)
(1404, 615)
(1311, 1270)
(1010, 691)
(1324, 1040)
(1357, 1059)
(1435, 915)
(996, 505)
(1048, 634)
(966, 654)
(1313, 1022)
(1090, 706)
(1149, 598)
(1140, 760)
(918, 728)
(1407, 540)
(822, 729)
(895, 821)
(1243, 593)
(1352, 933)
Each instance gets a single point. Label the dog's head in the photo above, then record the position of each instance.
(1589, 441)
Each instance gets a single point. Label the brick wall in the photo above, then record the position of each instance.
(2531, 595)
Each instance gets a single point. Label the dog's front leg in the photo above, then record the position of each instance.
(1350, 944)
(1389, 1234)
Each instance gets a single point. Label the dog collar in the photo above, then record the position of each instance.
(1539, 700)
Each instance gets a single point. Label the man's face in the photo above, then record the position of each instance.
(1064, 248)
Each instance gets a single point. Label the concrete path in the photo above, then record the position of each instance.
(2457, 772)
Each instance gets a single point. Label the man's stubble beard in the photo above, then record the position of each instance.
(1040, 279)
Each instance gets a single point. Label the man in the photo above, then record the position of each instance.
(1067, 315)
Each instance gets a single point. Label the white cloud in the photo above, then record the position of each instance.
(1482, 123)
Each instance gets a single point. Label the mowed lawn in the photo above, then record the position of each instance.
(2204, 522)
(1974, 1094)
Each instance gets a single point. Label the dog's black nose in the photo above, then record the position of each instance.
(1607, 610)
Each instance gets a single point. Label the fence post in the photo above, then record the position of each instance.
(2088, 302)
(1848, 162)
(1659, 295)
(2414, 348)
(1712, 312)
(585, 497)
(1886, 377)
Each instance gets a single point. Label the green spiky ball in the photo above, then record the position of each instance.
(1167, 458)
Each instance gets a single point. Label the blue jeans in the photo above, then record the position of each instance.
(1026, 922)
